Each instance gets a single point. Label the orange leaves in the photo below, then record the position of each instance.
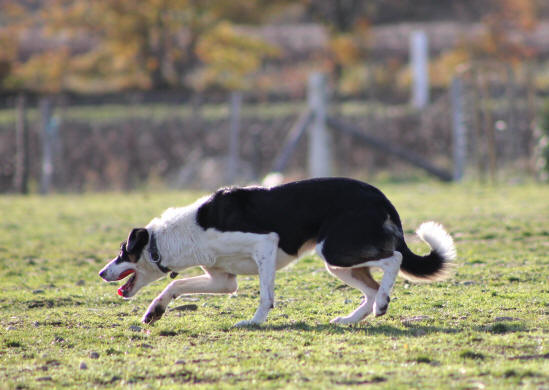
(345, 49)
(520, 13)
(499, 41)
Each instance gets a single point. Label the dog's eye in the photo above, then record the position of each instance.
(124, 256)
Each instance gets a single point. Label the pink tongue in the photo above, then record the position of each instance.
(125, 273)
(122, 276)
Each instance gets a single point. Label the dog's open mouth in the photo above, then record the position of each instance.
(127, 287)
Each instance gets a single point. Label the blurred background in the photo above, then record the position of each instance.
(128, 94)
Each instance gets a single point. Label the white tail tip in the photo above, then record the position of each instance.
(438, 239)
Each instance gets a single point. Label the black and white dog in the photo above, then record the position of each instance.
(256, 230)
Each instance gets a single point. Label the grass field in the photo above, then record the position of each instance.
(485, 327)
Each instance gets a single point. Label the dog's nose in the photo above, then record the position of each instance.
(103, 273)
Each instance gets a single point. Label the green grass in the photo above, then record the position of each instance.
(485, 327)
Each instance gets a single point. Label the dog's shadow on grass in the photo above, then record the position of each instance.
(370, 329)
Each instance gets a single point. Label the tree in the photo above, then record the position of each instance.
(230, 57)
(507, 15)
(140, 44)
(104, 45)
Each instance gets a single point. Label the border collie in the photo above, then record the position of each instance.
(257, 230)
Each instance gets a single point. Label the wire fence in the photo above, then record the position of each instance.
(480, 127)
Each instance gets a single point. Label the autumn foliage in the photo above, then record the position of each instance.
(113, 45)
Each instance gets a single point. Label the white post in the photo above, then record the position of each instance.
(419, 62)
(459, 131)
(320, 139)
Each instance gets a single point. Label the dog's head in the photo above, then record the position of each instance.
(132, 260)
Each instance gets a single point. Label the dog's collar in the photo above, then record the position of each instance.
(156, 258)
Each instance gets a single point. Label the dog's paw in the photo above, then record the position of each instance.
(153, 314)
(245, 323)
(381, 307)
(344, 321)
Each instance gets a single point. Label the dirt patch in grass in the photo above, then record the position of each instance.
(530, 357)
(49, 303)
(13, 344)
(167, 333)
(468, 354)
(358, 382)
(183, 376)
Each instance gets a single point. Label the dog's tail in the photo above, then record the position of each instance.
(435, 265)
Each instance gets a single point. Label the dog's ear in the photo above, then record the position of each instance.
(138, 238)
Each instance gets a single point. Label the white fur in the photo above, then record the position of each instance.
(212, 282)
(438, 239)
(390, 267)
(367, 305)
(180, 240)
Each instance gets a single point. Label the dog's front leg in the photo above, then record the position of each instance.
(264, 255)
(212, 282)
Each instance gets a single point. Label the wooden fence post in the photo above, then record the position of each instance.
(22, 155)
(458, 126)
(234, 137)
(320, 139)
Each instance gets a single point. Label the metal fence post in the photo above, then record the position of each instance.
(320, 140)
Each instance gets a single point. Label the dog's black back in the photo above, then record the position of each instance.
(315, 209)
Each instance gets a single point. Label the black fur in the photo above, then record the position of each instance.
(298, 212)
(420, 266)
(355, 220)
(137, 240)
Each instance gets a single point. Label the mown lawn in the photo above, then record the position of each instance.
(485, 327)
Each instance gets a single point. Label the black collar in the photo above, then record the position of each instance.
(156, 258)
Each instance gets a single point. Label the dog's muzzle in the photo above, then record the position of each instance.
(103, 275)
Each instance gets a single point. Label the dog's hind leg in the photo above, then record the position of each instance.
(355, 241)
(390, 267)
(361, 279)
(214, 281)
